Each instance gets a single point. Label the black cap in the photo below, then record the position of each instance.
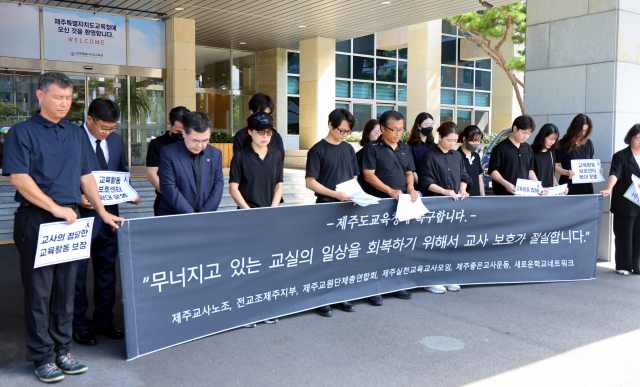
(260, 121)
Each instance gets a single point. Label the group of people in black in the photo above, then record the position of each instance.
(49, 161)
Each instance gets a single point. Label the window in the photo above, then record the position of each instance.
(344, 46)
(293, 93)
(293, 85)
(362, 90)
(385, 92)
(364, 45)
(343, 89)
(293, 115)
(363, 68)
(343, 66)
(386, 70)
(293, 63)
(362, 114)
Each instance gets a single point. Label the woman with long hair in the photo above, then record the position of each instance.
(544, 154)
(575, 145)
(470, 138)
(371, 132)
(420, 138)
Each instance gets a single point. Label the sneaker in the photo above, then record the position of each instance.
(250, 325)
(437, 289)
(622, 272)
(272, 321)
(452, 288)
(49, 373)
(70, 366)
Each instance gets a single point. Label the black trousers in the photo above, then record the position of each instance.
(627, 241)
(104, 254)
(156, 203)
(48, 291)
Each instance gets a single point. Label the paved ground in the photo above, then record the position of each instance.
(562, 334)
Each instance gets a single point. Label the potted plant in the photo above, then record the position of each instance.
(224, 142)
(354, 140)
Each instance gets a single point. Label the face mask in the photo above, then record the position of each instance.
(426, 131)
(471, 147)
(176, 136)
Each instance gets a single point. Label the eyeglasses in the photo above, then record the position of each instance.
(343, 132)
(102, 129)
(267, 132)
(395, 131)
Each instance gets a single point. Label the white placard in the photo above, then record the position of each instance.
(407, 210)
(558, 190)
(633, 193)
(59, 242)
(586, 171)
(114, 187)
(74, 36)
(526, 187)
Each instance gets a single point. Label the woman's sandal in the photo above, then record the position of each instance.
(622, 272)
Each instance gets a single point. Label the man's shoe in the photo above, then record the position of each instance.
(250, 325)
(402, 294)
(346, 307)
(324, 311)
(452, 288)
(375, 300)
(111, 331)
(437, 289)
(70, 366)
(49, 373)
(84, 338)
(272, 321)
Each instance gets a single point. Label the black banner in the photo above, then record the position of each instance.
(189, 276)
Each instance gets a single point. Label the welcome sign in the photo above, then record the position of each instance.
(73, 36)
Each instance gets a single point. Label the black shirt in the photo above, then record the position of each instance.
(623, 165)
(417, 151)
(585, 151)
(54, 155)
(544, 167)
(257, 178)
(153, 152)
(512, 162)
(366, 187)
(331, 164)
(446, 170)
(196, 164)
(474, 170)
(378, 156)
(276, 141)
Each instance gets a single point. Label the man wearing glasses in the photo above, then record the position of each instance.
(108, 155)
(387, 165)
(190, 171)
(330, 162)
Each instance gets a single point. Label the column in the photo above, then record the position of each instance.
(317, 88)
(584, 57)
(271, 77)
(423, 78)
(181, 63)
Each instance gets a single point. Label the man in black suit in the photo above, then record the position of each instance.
(108, 155)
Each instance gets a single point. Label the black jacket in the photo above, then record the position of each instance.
(623, 165)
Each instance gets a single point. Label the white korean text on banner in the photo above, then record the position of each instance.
(114, 187)
(19, 31)
(207, 279)
(586, 171)
(59, 242)
(75, 36)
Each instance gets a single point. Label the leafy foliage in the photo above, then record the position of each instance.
(138, 102)
(9, 109)
(221, 138)
(354, 137)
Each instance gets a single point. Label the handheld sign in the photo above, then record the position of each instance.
(586, 171)
(59, 242)
(526, 187)
(114, 187)
(557, 190)
(633, 193)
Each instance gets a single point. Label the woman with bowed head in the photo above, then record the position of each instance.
(626, 214)
(420, 138)
(470, 138)
(544, 155)
(371, 132)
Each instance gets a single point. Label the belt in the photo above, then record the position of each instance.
(31, 205)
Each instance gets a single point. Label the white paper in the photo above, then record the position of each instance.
(407, 210)
(59, 242)
(586, 171)
(352, 189)
(526, 187)
(557, 190)
(114, 187)
(633, 193)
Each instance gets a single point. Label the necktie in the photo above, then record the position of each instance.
(100, 155)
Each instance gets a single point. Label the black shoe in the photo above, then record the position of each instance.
(324, 311)
(346, 307)
(111, 331)
(402, 294)
(375, 300)
(84, 338)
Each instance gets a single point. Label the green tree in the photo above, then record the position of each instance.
(498, 22)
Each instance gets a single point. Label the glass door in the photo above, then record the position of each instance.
(77, 113)
(111, 87)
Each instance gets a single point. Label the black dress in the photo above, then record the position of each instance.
(474, 170)
(544, 167)
(585, 151)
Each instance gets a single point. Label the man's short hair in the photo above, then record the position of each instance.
(524, 122)
(260, 102)
(338, 115)
(196, 121)
(177, 113)
(59, 79)
(389, 114)
(103, 109)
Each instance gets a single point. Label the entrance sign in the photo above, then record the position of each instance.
(586, 171)
(59, 242)
(525, 187)
(19, 31)
(75, 36)
(114, 187)
(207, 278)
